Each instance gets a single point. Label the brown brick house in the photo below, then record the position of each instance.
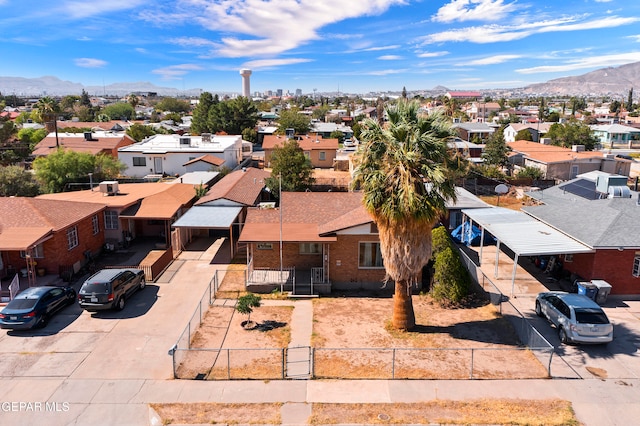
(321, 151)
(96, 142)
(55, 234)
(328, 240)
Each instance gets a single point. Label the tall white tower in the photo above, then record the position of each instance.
(246, 84)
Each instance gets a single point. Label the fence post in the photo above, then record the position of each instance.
(283, 363)
(471, 372)
(393, 364)
(189, 335)
(313, 363)
(229, 364)
(550, 358)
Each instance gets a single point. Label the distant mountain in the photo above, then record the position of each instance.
(606, 81)
(53, 86)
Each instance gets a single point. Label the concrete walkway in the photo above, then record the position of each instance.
(107, 393)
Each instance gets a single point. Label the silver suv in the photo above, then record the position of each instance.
(577, 318)
(109, 289)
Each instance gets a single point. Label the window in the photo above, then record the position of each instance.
(322, 156)
(72, 237)
(110, 219)
(636, 266)
(37, 252)
(568, 258)
(310, 248)
(370, 256)
(264, 246)
(140, 161)
(95, 224)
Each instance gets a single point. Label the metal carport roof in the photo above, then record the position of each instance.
(208, 217)
(523, 234)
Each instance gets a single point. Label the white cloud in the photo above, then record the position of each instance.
(500, 33)
(385, 72)
(492, 60)
(432, 54)
(85, 9)
(90, 63)
(635, 37)
(389, 57)
(268, 63)
(582, 63)
(603, 1)
(271, 27)
(192, 42)
(473, 10)
(174, 72)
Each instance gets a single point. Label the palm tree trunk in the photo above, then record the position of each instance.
(403, 316)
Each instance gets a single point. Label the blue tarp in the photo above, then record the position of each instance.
(462, 235)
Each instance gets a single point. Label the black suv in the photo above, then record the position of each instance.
(109, 288)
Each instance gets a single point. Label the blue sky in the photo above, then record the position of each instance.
(351, 46)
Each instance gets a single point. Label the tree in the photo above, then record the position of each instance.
(572, 133)
(133, 100)
(7, 130)
(139, 132)
(496, 149)
(451, 281)
(530, 172)
(629, 105)
(292, 119)
(31, 137)
(173, 105)
(615, 107)
(119, 111)
(200, 117)
(246, 304)
(239, 114)
(250, 135)
(289, 163)
(524, 135)
(61, 167)
(404, 92)
(403, 175)
(46, 108)
(15, 181)
(337, 134)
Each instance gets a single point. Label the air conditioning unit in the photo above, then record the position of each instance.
(109, 187)
(619, 192)
(185, 140)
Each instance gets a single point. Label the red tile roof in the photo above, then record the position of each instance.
(211, 159)
(550, 153)
(306, 142)
(76, 142)
(241, 186)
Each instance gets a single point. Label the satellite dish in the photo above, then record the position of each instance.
(501, 189)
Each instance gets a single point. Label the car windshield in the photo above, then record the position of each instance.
(22, 303)
(591, 316)
(95, 288)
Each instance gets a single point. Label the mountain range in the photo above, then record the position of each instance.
(610, 81)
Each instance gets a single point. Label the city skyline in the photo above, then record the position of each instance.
(329, 46)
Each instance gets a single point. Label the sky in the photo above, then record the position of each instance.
(348, 46)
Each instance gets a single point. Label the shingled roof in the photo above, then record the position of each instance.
(242, 186)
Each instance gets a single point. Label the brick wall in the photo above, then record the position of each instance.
(613, 266)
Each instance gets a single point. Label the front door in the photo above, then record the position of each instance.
(157, 165)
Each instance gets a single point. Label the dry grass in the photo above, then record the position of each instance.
(233, 284)
(482, 411)
(213, 413)
(548, 412)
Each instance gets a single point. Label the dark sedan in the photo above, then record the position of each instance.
(35, 306)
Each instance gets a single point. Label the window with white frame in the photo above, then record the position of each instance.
(310, 248)
(110, 219)
(37, 252)
(95, 224)
(369, 255)
(568, 257)
(72, 237)
(140, 161)
(636, 266)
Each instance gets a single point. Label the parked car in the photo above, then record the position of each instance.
(110, 288)
(578, 318)
(35, 306)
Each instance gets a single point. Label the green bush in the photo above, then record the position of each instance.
(451, 281)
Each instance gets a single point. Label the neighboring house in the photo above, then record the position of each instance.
(167, 154)
(329, 241)
(480, 112)
(204, 163)
(321, 151)
(107, 126)
(57, 235)
(222, 211)
(468, 150)
(135, 210)
(537, 130)
(463, 95)
(563, 163)
(96, 142)
(325, 129)
(616, 134)
(609, 226)
(473, 131)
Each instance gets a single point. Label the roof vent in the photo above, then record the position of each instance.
(619, 192)
(206, 137)
(88, 136)
(185, 140)
(109, 187)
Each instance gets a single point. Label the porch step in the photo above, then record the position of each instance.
(290, 295)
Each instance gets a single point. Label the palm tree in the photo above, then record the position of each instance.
(47, 108)
(403, 171)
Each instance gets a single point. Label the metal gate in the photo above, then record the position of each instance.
(298, 362)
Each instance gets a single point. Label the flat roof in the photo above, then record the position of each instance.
(523, 234)
(210, 217)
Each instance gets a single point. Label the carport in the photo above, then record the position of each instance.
(523, 234)
(209, 217)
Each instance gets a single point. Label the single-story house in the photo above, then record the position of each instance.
(94, 142)
(610, 135)
(325, 129)
(133, 210)
(48, 236)
(204, 163)
(321, 151)
(473, 131)
(537, 130)
(168, 154)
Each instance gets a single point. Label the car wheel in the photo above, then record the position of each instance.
(538, 309)
(563, 336)
(143, 284)
(43, 322)
(120, 304)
